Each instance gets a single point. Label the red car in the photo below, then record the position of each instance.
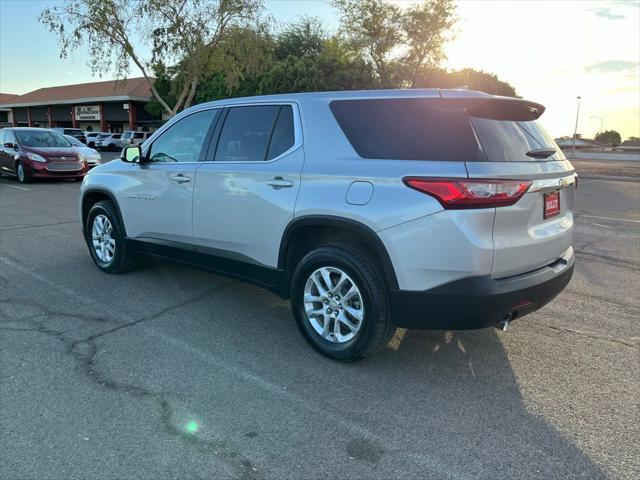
(29, 153)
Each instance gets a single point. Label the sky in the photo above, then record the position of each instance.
(550, 51)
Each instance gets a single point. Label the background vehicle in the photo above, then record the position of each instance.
(134, 138)
(92, 137)
(441, 209)
(31, 153)
(91, 156)
(74, 132)
(109, 142)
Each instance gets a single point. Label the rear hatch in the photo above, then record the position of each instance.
(538, 229)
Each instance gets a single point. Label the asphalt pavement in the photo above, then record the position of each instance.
(168, 372)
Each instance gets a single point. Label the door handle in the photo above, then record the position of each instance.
(279, 182)
(180, 178)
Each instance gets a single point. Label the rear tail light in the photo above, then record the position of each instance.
(455, 193)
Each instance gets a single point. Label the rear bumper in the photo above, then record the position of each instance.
(480, 302)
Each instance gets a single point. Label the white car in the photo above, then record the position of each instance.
(91, 156)
(92, 137)
(110, 141)
(134, 138)
(369, 210)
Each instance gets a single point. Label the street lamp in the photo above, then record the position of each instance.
(575, 130)
(601, 122)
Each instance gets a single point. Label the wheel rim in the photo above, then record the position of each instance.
(104, 245)
(20, 172)
(333, 304)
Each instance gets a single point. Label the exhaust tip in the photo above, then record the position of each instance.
(503, 325)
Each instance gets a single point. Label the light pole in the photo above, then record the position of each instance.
(601, 122)
(575, 130)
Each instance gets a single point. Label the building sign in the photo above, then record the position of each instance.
(87, 112)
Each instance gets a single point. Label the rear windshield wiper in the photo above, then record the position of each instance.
(541, 152)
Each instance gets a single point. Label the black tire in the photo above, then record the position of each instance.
(25, 177)
(377, 326)
(123, 259)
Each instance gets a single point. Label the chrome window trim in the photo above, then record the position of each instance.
(547, 184)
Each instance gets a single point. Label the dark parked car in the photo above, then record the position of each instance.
(74, 132)
(29, 153)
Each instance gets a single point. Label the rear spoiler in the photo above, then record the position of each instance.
(493, 107)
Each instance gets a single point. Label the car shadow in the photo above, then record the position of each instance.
(450, 396)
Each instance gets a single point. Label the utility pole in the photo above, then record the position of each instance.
(575, 130)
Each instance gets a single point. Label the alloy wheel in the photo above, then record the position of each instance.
(333, 304)
(104, 245)
(20, 172)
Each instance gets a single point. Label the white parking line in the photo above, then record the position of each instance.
(13, 186)
(610, 218)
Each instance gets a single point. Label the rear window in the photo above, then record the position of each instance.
(440, 129)
(507, 141)
(407, 129)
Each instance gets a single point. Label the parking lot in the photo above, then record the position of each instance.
(169, 372)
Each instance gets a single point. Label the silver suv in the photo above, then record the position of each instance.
(441, 209)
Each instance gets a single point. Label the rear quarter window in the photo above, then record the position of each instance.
(407, 129)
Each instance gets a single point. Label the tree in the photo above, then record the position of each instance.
(306, 59)
(374, 28)
(633, 139)
(185, 36)
(609, 137)
(467, 77)
(402, 45)
(426, 27)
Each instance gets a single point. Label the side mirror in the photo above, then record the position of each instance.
(10, 145)
(131, 154)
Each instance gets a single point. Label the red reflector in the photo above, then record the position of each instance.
(521, 304)
(454, 193)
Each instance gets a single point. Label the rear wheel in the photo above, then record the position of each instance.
(105, 238)
(340, 304)
(21, 173)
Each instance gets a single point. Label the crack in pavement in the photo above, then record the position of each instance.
(23, 227)
(84, 351)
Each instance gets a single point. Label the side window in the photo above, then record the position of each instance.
(246, 132)
(182, 142)
(283, 133)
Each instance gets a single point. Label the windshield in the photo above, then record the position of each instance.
(45, 139)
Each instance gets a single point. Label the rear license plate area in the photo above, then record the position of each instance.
(551, 204)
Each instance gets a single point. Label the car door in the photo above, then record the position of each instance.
(7, 154)
(158, 195)
(247, 188)
(3, 154)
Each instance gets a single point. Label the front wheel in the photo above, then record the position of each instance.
(106, 241)
(339, 301)
(21, 173)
